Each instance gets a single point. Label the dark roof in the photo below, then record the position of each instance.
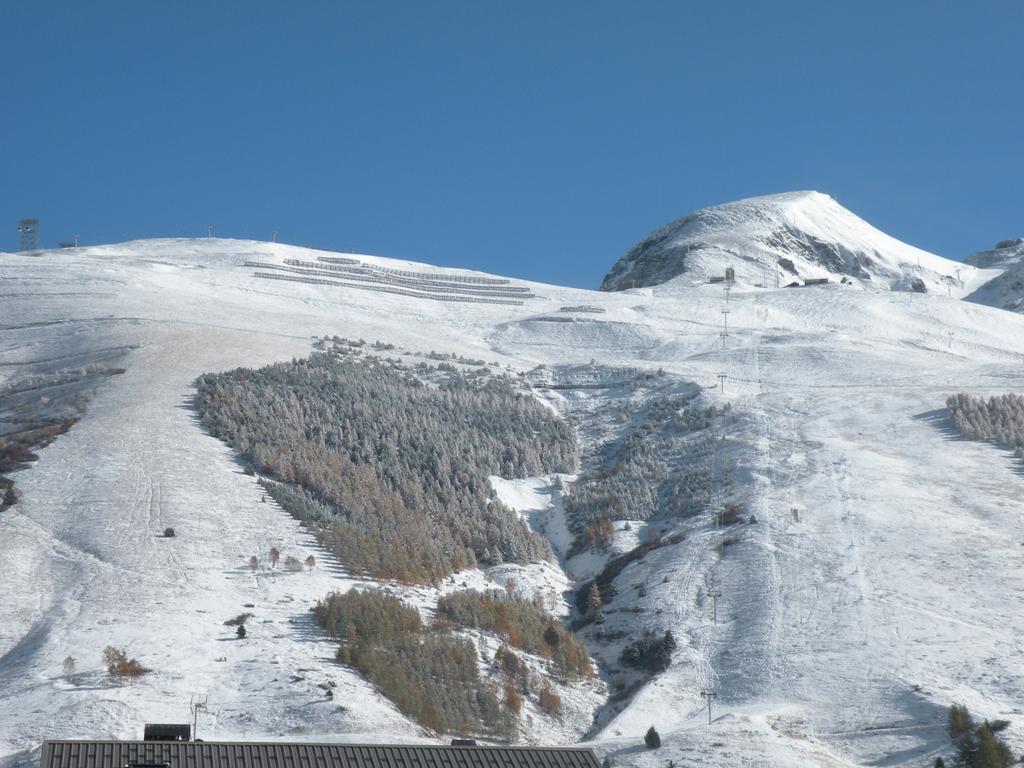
(167, 732)
(219, 754)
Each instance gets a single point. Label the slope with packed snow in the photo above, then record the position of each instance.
(780, 239)
(878, 584)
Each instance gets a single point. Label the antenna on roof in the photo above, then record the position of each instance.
(197, 703)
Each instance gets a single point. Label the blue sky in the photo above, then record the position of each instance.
(536, 139)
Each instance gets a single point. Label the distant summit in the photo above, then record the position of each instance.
(777, 239)
(1006, 291)
(1005, 254)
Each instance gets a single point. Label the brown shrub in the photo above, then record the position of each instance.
(119, 666)
(513, 699)
(549, 701)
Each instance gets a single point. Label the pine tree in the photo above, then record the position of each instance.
(960, 723)
(992, 752)
(594, 601)
(652, 739)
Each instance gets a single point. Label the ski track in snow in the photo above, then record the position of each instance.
(881, 582)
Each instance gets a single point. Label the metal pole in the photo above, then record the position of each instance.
(714, 605)
(709, 695)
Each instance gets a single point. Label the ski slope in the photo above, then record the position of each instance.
(881, 582)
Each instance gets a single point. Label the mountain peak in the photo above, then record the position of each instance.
(780, 237)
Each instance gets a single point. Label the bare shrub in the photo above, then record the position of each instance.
(120, 667)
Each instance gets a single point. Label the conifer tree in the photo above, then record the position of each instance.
(652, 738)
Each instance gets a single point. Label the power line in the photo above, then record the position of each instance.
(199, 702)
(714, 605)
(709, 695)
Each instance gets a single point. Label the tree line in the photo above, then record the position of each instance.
(999, 419)
(431, 676)
(631, 479)
(389, 471)
(523, 623)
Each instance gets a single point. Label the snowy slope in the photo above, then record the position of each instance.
(1006, 289)
(882, 581)
(785, 238)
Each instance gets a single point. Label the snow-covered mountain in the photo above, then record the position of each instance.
(780, 239)
(1006, 289)
(874, 578)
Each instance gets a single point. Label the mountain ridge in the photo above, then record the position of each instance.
(776, 239)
